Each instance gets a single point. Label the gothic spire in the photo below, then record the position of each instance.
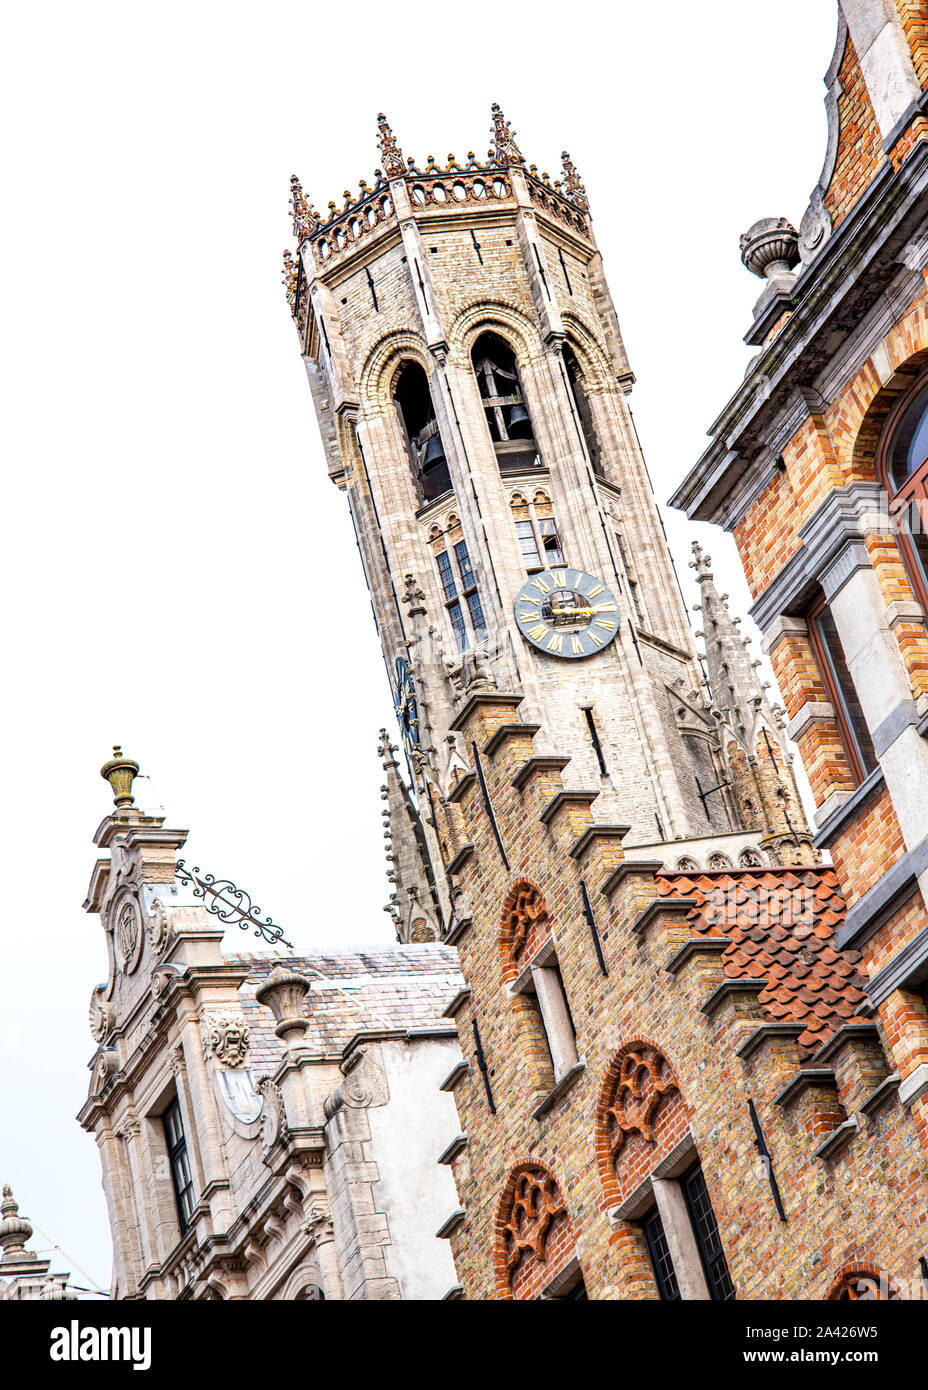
(412, 903)
(391, 156)
(572, 184)
(505, 150)
(305, 217)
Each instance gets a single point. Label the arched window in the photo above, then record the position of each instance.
(414, 403)
(504, 404)
(902, 458)
(584, 413)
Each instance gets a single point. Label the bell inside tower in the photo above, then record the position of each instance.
(427, 453)
(504, 404)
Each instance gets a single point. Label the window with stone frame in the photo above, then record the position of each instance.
(532, 973)
(459, 584)
(902, 464)
(681, 1229)
(825, 642)
(536, 528)
(179, 1163)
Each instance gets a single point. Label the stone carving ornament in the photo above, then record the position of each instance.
(102, 1014)
(160, 931)
(127, 933)
(226, 1037)
(273, 1114)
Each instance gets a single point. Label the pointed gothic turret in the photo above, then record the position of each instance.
(412, 904)
(752, 737)
(505, 150)
(391, 156)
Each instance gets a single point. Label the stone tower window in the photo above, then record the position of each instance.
(539, 539)
(584, 413)
(504, 404)
(427, 453)
(829, 656)
(902, 459)
(459, 586)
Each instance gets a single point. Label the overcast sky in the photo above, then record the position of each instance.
(168, 525)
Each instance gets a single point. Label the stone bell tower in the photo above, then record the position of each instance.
(470, 382)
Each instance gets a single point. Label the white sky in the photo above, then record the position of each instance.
(170, 539)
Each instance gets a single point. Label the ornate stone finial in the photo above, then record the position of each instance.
(505, 150)
(701, 563)
(770, 247)
(15, 1230)
(385, 749)
(305, 217)
(572, 184)
(391, 156)
(289, 277)
(284, 992)
(120, 772)
(413, 595)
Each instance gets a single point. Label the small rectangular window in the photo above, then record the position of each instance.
(826, 644)
(551, 541)
(464, 565)
(457, 622)
(180, 1164)
(478, 621)
(706, 1230)
(664, 1273)
(528, 545)
(447, 575)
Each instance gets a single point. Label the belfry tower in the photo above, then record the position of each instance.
(470, 381)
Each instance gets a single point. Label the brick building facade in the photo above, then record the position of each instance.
(676, 1080)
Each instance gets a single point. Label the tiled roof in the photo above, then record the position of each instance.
(782, 924)
(398, 988)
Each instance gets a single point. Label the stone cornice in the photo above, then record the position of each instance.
(839, 286)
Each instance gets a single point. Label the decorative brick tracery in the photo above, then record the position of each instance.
(640, 1116)
(861, 1282)
(534, 1238)
(524, 925)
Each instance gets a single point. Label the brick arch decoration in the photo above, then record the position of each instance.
(525, 924)
(534, 1238)
(867, 402)
(860, 1280)
(641, 1115)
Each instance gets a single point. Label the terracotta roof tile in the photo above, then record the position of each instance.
(782, 924)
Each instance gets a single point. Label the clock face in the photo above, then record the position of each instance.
(567, 613)
(407, 710)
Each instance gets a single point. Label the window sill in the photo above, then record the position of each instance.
(559, 1089)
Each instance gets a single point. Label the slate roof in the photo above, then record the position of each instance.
(782, 924)
(401, 988)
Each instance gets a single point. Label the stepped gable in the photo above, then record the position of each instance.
(781, 924)
(381, 990)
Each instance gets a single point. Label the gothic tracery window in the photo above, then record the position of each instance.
(534, 1234)
(582, 405)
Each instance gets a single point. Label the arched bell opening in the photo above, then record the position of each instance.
(504, 404)
(427, 452)
(584, 412)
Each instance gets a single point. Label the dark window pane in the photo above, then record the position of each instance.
(912, 518)
(463, 559)
(847, 695)
(664, 1272)
(457, 622)
(447, 575)
(706, 1230)
(476, 615)
(181, 1179)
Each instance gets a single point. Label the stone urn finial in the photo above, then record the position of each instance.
(284, 993)
(15, 1230)
(120, 772)
(770, 247)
